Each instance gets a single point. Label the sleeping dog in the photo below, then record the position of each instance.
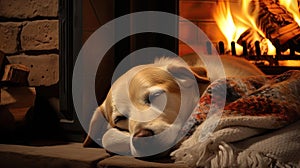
(149, 99)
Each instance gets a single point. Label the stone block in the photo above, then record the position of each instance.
(44, 69)
(40, 35)
(23, 9)
(8, 36)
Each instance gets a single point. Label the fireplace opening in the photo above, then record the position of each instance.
(264, 32)
(232, 27)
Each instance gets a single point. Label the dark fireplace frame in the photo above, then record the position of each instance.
(70, 42)
(70, 21)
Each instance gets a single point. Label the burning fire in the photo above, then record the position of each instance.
(233, 19)
(292, 7)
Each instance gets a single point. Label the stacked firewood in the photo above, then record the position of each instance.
(13, 74)
(276, 23)
(16, 97)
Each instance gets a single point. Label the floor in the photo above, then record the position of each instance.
(71, 155)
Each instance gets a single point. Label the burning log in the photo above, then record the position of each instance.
(277, 24)
(250, 37)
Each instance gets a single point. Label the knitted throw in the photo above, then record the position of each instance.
(259, 126)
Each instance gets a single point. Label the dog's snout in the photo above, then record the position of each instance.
(144, 133)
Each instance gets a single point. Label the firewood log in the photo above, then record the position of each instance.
(15, 74)
(277, 23)
(250, 36)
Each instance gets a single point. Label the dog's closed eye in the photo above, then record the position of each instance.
(121, 123)
(151, 96)
(156, 98)
(119, 119)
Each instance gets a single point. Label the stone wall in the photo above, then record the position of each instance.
(30, 28)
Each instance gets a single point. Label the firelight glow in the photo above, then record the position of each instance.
(292, 7)
(233, 19)
(226, 24)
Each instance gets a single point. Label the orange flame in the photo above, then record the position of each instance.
(233, 19)
(292, 7)
(226, 24)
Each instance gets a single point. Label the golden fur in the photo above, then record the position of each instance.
(164, 82)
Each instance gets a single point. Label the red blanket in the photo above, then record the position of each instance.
(255, 128)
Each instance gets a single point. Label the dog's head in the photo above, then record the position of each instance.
(150, 99)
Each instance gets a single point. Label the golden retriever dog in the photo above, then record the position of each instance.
(149, 99)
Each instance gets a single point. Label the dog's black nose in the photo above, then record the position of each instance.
(143, 133)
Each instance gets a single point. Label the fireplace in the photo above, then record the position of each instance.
(217, 19)
(264, 32)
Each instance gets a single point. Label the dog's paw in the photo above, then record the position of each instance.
(116, 141)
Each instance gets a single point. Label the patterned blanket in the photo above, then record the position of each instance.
(259, 126)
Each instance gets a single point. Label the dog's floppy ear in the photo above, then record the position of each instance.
(200, 74)
(98, 126)
(185, 76)
(182, 74)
